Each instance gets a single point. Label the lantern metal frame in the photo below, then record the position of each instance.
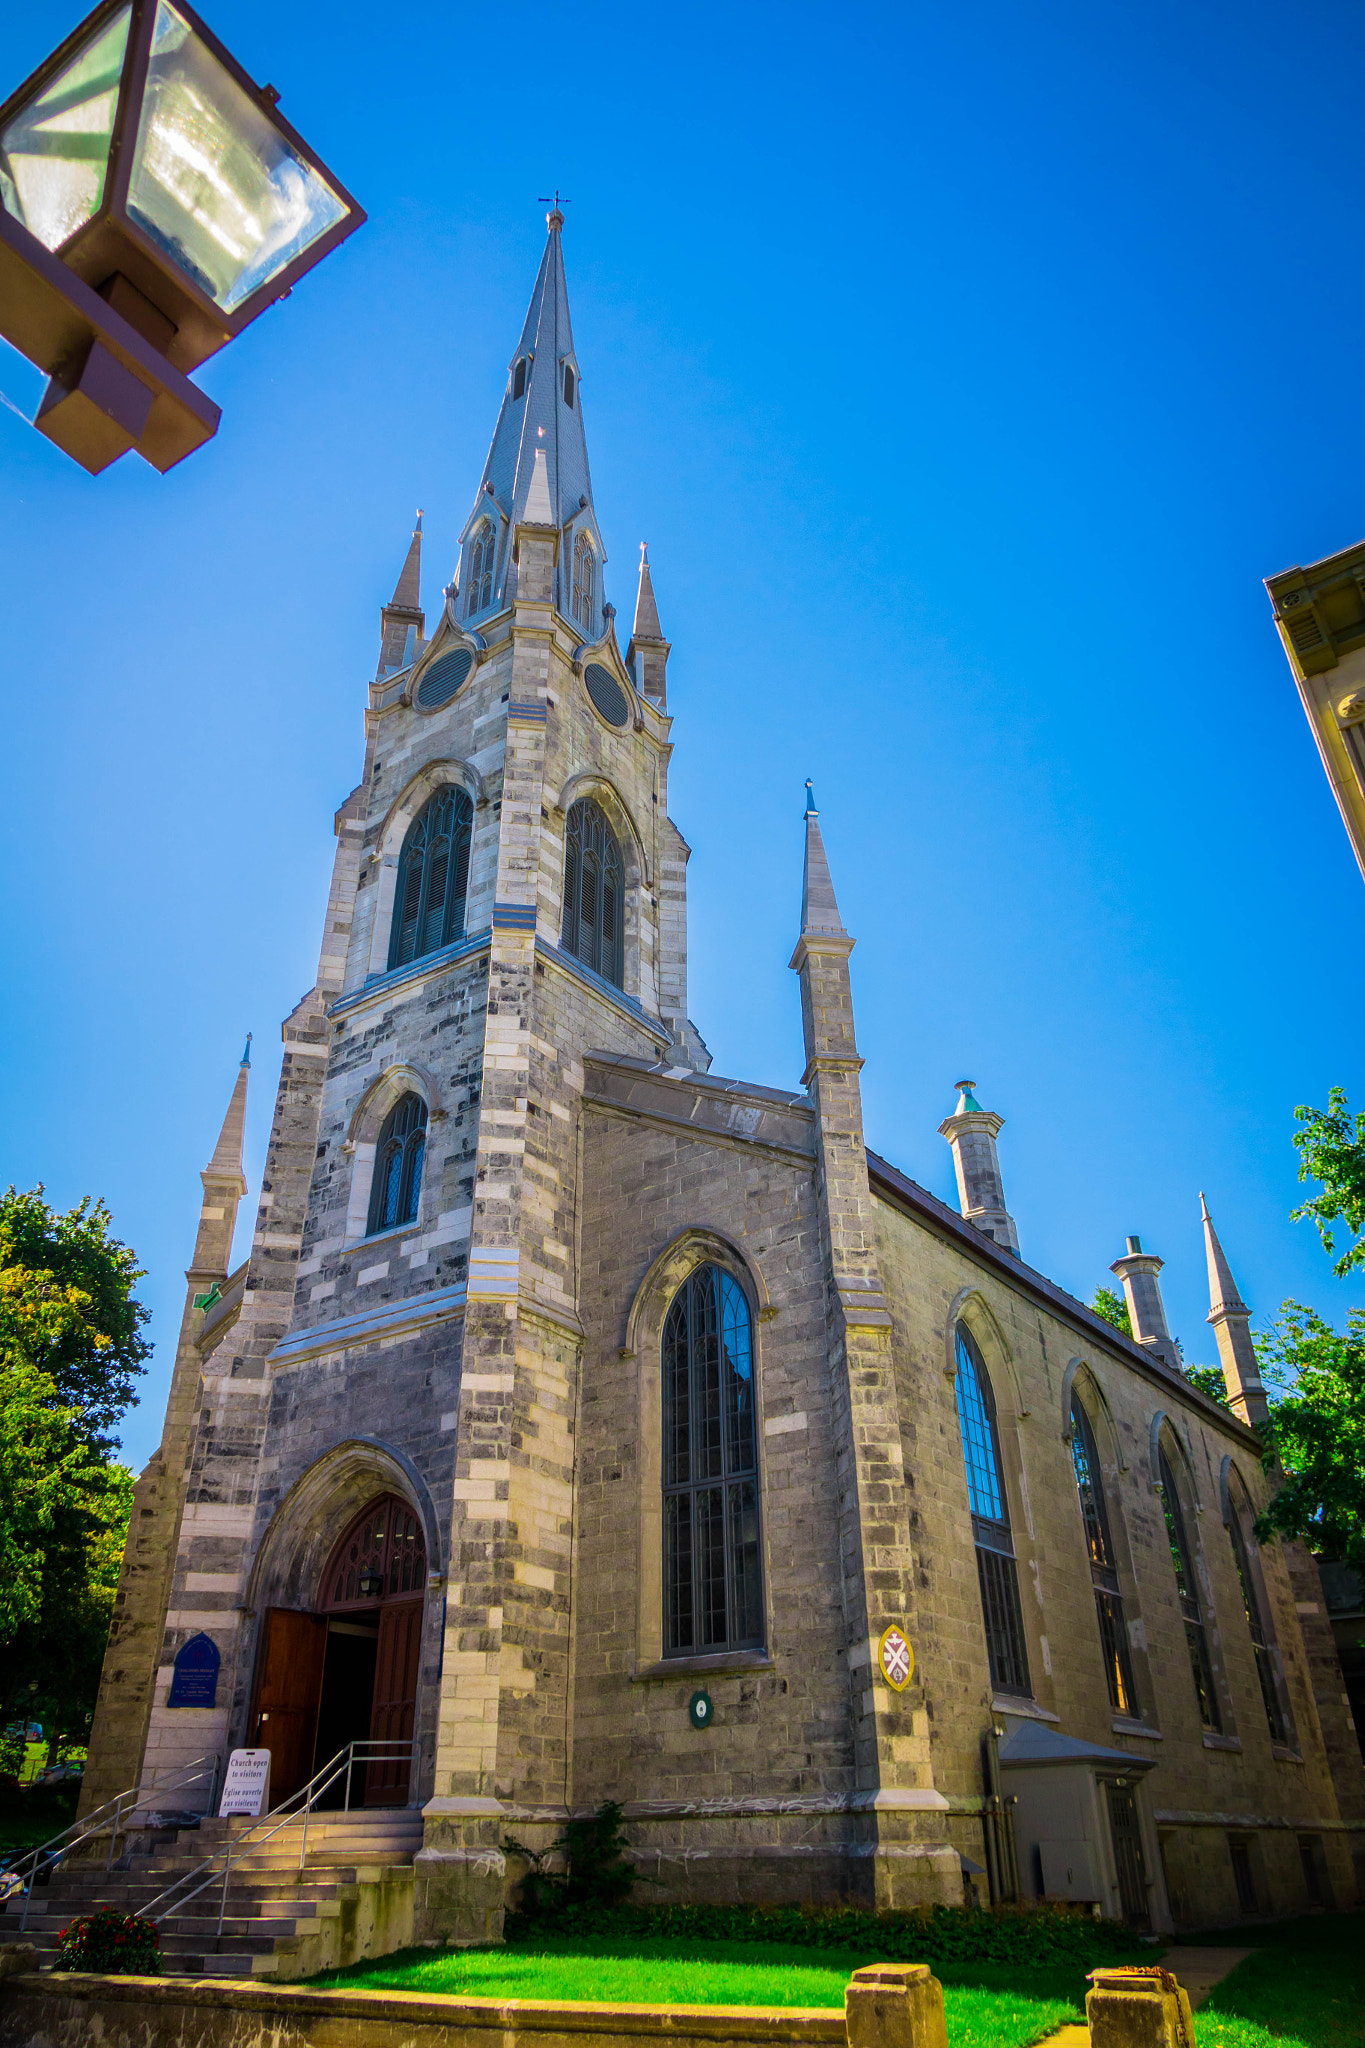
(110, 315)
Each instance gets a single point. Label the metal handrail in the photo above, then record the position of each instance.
(92, 1824)
(343, 1762)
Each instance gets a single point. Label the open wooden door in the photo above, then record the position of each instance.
(395, 1700)
(284, 1715)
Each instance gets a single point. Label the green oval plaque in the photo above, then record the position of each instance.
(700, 1711)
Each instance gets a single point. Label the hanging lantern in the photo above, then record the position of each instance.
(153, 202)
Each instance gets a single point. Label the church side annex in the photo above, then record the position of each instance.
(581, 1422)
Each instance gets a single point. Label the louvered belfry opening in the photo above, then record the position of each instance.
(433, 878)
(594, 893)
(712, 1578)
(482, 549)
(1103, 1563)
(995, 1567)
(396, 1192)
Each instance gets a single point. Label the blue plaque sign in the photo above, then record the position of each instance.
(195, 1683)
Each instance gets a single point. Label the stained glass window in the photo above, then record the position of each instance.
(1103, 1565)
(712, 1575)
(396, 1189)
(1187, 1591)
(995, 1565)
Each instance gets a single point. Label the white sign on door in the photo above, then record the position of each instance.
(246, 1785)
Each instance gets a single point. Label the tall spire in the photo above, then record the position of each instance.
(1231, 1320)
(819, 911)
(402, 620)
(648, 651)
(226, 1163)
(541, 416)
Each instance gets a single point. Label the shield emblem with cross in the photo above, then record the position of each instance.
(896, 1658)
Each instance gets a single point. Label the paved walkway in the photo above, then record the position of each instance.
(1198, 1969)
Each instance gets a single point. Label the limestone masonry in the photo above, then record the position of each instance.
(580, 1422)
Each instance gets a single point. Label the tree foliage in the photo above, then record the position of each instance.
(1113, 1309)
(67, 1305)
(70, 1349)
(1316, 1431)
(1331, 1148)
(1209, 1380)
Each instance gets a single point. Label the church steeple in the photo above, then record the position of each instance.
(402, 621)
(541, 417)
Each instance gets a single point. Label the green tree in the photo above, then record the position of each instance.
(1113, 1308)
(1316, 1431)
(1209, 1380)
(1331, 1148)
(70, 1349)
(67, 1305)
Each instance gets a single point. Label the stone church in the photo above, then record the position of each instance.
(583, 1426)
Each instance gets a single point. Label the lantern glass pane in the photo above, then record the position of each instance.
(214, 183)
(54, 153)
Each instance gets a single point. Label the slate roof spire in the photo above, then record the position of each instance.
(819, 910)
(541, 414)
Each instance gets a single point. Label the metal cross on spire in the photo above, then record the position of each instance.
(557, 202)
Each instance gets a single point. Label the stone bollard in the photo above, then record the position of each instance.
(895, 2005)
(1138, 2006)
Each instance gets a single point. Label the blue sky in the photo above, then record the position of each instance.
(966, 370)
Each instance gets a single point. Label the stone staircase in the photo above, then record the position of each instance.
(351, 1898)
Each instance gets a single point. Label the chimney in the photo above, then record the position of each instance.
(972, 1132)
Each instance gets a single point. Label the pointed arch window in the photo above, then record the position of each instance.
(1256, 1624)
(1104, 1575)
(712, 1577)
(1187, 1591)
(584, 599)
(569, 381)
(995, 1565)
(483, 547)
(396, 1192)
(433, 878)
(594, 892)
(519, 377)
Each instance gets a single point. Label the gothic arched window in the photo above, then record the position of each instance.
(433, 875)
(1103, 1564)
(482, 549)
(1247, 1577)
(1187, 1591)
(594, 892)
(584, 599)
(397, 1186)
(995, 1566)
(712, 1575)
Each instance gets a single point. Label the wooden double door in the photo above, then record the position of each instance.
(348, 1672)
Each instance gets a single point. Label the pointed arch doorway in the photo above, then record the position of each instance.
(348, 1672)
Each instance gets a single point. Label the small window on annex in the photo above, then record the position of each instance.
(995, 1564)
(433, 878)
(713, 1594)
(1103, 1563)
(594, 893)
(396, 1191)
(482, 547)
(1187, 1591)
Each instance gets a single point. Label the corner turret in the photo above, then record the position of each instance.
(1231, 1320)
(972, 1132)
(402, 621)
(1139, 1270)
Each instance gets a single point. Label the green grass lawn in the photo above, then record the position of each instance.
(989, 2005)
(1304, 1988)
